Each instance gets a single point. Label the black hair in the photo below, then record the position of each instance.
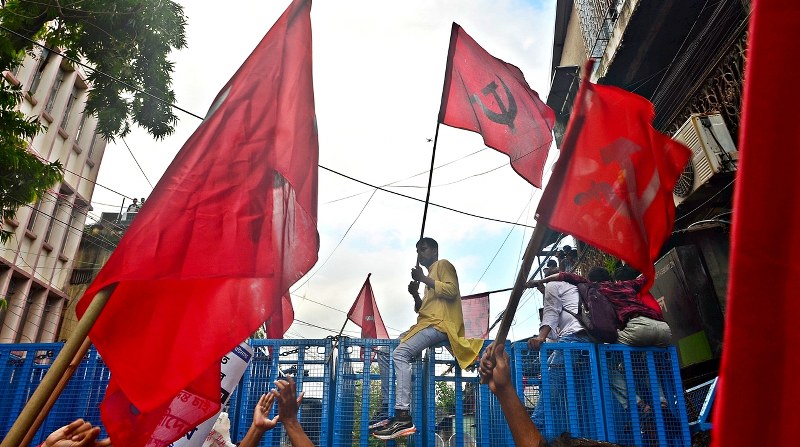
(625, 273)
(429, 241)
(552, 263)
(599, 274)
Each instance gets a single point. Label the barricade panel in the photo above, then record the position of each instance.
(560, 386)
(309, 363)
(460, 411)
(643, 396)
(22, 368)
(361, 393)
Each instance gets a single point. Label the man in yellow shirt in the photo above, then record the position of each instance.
(440, 318)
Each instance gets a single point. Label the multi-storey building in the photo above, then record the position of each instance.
(687, 57)
(35, 262)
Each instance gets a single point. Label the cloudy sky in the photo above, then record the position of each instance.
(378, 73)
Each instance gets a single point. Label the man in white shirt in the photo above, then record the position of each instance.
(558, 295)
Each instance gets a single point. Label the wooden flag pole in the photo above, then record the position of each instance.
(549, 198)
(62, 383)
(47, 387)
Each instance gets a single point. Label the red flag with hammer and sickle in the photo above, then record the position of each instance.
(617, 190)
(486, 95)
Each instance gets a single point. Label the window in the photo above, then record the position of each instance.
(53, 219)
(68, 109)
(37, 76)
(80, 126)
(91, 147)
(54, 91)
(73, 224)
(34, 215)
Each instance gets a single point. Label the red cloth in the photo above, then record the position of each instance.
(281, 318)
(230, 226)
(758, 388)
(617, 190)
(476, 315)
(486, 95)
(365, 313)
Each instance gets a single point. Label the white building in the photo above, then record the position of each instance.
(35, 263)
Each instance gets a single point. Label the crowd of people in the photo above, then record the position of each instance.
(440, 319)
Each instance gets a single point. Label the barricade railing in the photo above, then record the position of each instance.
(365, 388)
(643, 396)
(309, 362)
(22, 368)
(559, 385)
(631, 396)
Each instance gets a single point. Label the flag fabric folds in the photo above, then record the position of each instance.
(765, 204)
(476, 315)
(228, 229)
(365, 313)
(486, 95)
(282, 317)
(617, 185)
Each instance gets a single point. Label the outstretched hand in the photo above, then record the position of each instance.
(494, 369)
(78, 433)
(261, 418)
(288, 400)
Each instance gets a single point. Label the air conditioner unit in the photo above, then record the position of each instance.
(713, 153)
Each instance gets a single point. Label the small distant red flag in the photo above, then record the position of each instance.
(365, 313)
(617, 188)
(486, 95)
(228, 229)
(476, 315)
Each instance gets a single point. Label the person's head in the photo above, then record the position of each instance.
(135, 201)
(567, 249)
(625, 273)
(427, 251)
(141, 200)
(552, 267)
(599, 274)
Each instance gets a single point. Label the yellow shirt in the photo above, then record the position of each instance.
(441, 309)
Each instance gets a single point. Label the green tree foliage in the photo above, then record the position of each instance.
(129, 40)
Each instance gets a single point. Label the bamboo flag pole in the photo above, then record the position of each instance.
(47, 388)
(549, 198)
(62, 383)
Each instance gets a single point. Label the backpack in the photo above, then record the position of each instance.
(596, 314)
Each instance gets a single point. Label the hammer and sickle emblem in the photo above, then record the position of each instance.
(506, 116)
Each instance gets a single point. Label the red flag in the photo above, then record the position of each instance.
(365, 313)
(230, 226)
(486, 95)
(476, 315)
(281, 319)
(765, 205)
(617, 187)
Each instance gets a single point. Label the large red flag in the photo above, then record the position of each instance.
(758, 387)
(486, 95)
(617, 187)
(365, 313)
(476, 315)
(230, 226)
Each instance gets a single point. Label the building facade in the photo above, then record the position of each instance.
(687, 57)
(36, 261)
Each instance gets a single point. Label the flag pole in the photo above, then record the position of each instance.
(543, 211)
(62, 383)
(47, 388)
(430, 180)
